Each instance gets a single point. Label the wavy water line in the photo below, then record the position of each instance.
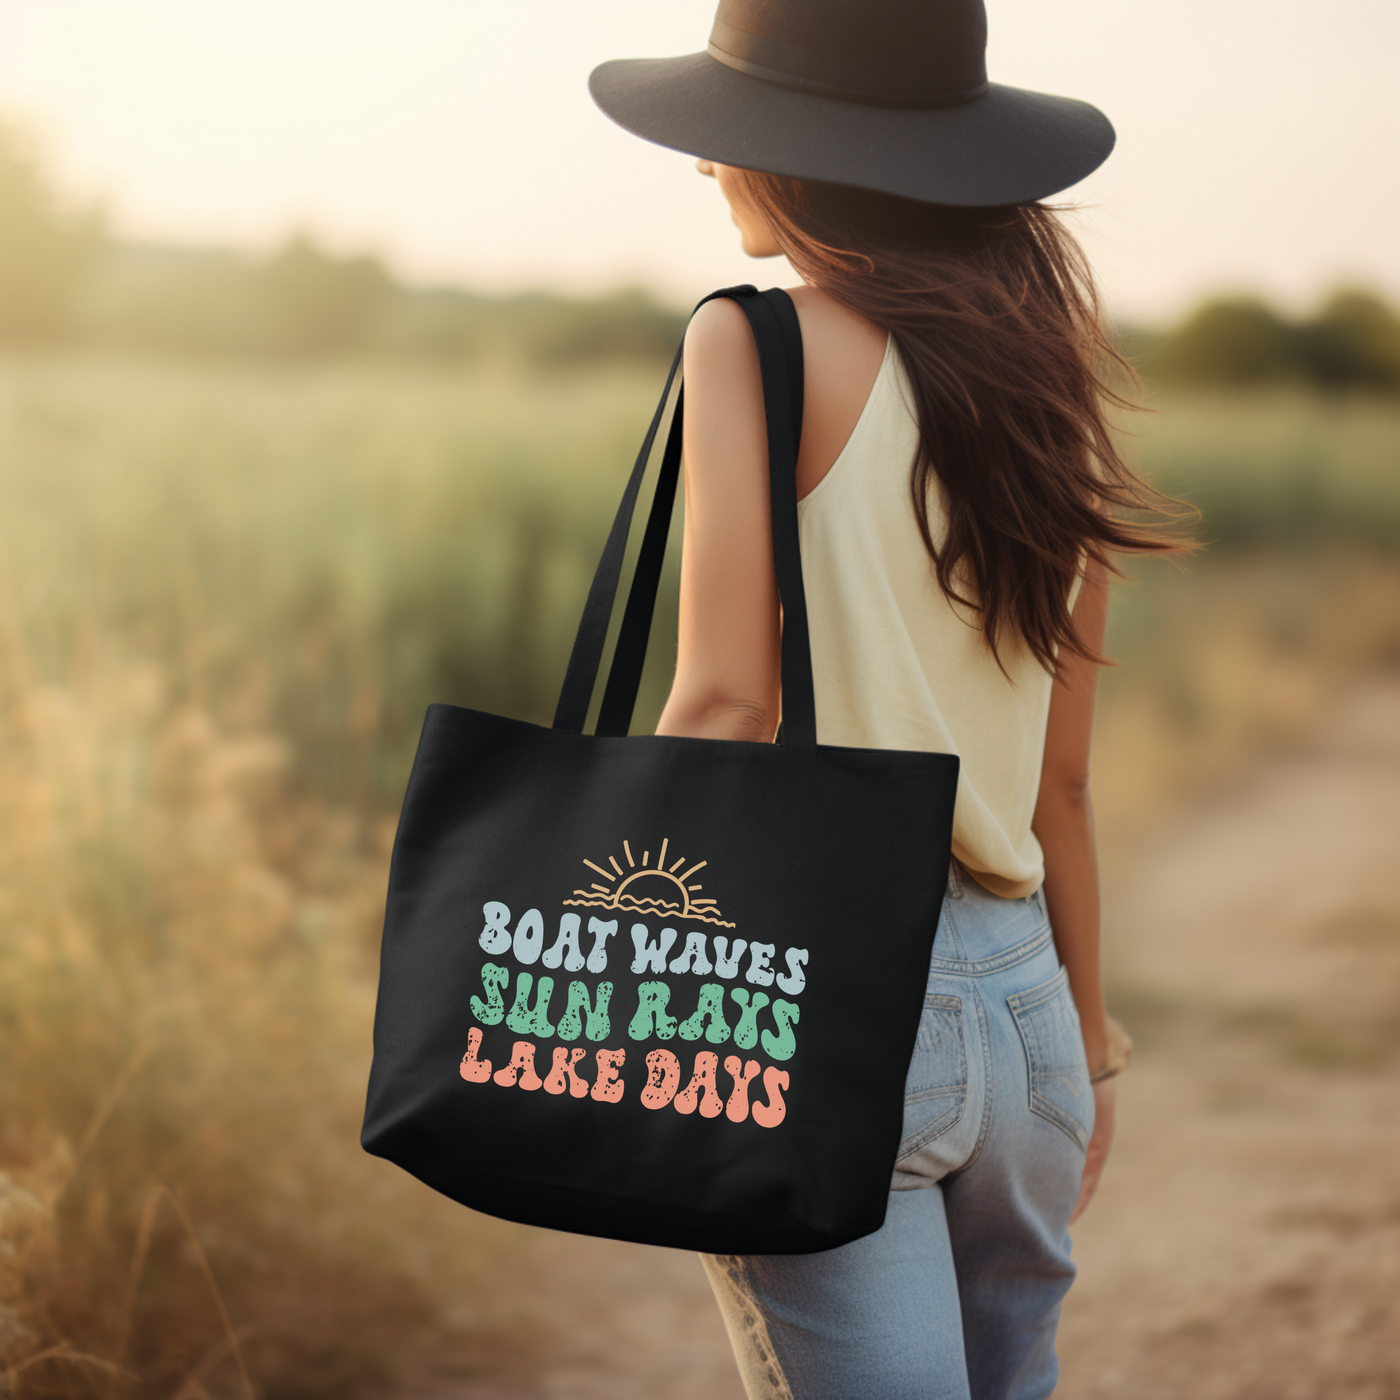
(634, 901)
(630, 903)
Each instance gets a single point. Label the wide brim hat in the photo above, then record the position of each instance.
(887, 95)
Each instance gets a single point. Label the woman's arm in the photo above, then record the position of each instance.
(1064, 825)
(727, 663)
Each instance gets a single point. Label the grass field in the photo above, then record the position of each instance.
(225, 598)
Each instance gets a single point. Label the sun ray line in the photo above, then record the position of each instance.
(600, 870)
(612, 861)
(692, 870)
(602, 889)
(627, 850)
(661, 859)
(670, 869)
(646, 856)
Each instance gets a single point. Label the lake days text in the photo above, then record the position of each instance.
(747, 1015)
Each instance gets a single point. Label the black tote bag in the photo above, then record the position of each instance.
(661, 989)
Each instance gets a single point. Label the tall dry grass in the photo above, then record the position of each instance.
(184, 998)
(224, 604)
(225, 598)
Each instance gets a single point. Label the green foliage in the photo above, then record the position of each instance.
(1352, 343)
(1278, 469)
(342, 545)
(1226, 342)
(535, 328)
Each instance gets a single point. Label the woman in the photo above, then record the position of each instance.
(958, 490)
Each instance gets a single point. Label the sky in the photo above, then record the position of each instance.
(1258, 142)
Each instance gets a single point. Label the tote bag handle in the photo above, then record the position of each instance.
(773, 320)
(776, 312)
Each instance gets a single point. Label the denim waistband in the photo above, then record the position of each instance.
(1009, 957)
(980, 933)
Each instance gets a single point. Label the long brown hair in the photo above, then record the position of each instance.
(995, 317)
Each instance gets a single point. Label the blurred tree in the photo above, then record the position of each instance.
(314, 302)
(537, 328)
(1354, 342)
(44, 249)
(629, 324)
(1232, 342)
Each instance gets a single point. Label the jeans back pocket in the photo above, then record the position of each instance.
(1059, 1075)
(935, 1090)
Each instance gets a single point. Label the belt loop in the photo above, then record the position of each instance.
(954, 882)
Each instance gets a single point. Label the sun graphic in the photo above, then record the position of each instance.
(650, 889)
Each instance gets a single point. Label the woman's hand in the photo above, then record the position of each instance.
(1105, 1108)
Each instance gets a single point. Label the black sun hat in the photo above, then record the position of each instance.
(888, 95)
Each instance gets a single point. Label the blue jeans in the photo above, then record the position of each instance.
(957, 1296)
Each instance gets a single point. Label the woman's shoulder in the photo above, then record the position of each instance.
(830, 330)
(717, 330)
(843, 352)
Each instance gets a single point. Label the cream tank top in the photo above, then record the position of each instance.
(897, 665)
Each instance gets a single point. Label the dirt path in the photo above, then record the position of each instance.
(1246, 1243)
(1247, 1240)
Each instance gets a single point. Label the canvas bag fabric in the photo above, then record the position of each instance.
(655, 988)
